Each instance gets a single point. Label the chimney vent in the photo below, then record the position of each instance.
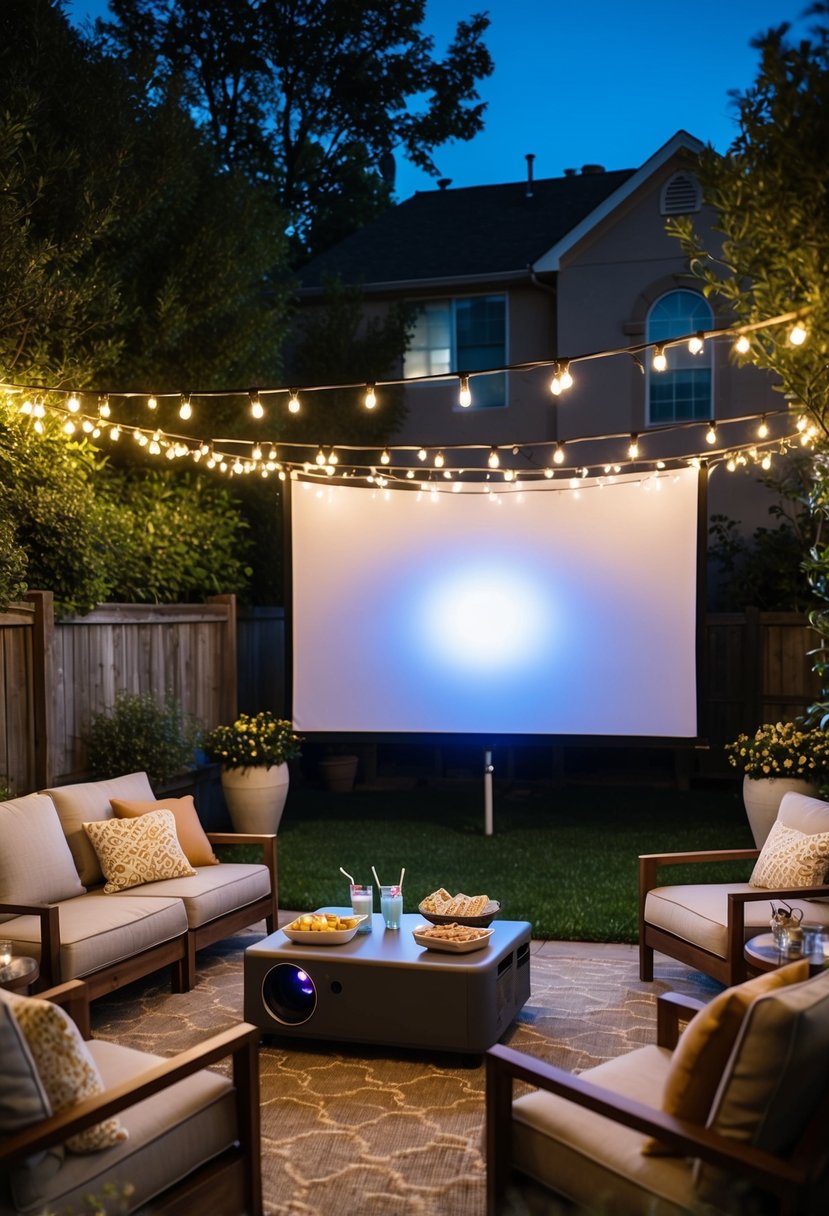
(444, 182)
(592, 169)
(530, 157)
(570, 172)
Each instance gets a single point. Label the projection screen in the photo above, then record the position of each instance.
(526, 612)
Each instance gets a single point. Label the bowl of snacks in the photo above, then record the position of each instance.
(453, 938)
(322, 929)
(441, 908)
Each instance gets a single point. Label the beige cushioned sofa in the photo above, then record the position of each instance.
(53, 906)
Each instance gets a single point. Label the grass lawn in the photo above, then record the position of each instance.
(563, 858)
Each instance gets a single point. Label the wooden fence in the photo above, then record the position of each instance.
(55, 675)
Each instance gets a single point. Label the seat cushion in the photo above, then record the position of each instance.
(805, 814)
(778, 1074)
(133, 852)
(88, 801)
(98, 930)
(700, 1057)
(215, 890)
(588, 1158)
(698, 913)
(191, 835)
(36, 866)
(170, 1135)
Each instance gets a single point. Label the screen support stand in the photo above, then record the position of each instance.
(488, 769)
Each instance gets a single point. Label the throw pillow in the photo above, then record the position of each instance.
(791, 859)
(705, 1045)
(65, 1067)
(135, 851)
(191, 836)
(22, 1096)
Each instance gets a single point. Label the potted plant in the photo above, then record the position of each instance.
(141, 734)
(778, 758)
(253, 753)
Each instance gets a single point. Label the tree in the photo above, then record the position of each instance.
(313, 96)
(771, 192)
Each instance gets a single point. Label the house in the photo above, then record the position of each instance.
(530, 273)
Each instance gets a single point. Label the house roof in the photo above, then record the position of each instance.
(483, 233)
(476, 231)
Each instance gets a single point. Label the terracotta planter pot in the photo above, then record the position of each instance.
(762, 799)
(339, 773)
(255, 796)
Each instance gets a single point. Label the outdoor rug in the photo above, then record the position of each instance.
(369, 1131)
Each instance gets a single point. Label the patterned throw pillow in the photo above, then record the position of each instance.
(66, 1069)
(135, 851)
(791, 859)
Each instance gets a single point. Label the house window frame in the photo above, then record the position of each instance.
(454, 368)
(679, 357)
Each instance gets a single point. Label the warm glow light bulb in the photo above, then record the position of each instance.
(69, 427)
(39, 411)
(660, 362)
(257, 453)
(548, 473)
(73, 404)
(370, 399)
(731, 465)
(465, 395)
(695, 344)
(558, 454)
(320, 457)
(797, 335)
(257, 409)
(711, 434)
(115, 434)
(565, 379)
(185, 410)
(763, 429)
(422, 454)
(765, 463)
(742, 345)
(103, 407)
(633, 447)
(555, 383)
(494, 459)
(385, 456)
(439, 460)
(152, 403)
(509, 475)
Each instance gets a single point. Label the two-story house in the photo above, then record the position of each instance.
(535, 272)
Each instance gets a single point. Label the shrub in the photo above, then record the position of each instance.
(140, 734)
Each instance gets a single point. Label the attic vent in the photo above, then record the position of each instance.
(681, 194)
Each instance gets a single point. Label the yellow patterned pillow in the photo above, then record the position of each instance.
(66, 1069)
(135, 851)
(791, 859)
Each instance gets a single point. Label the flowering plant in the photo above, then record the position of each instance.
(782, 749)
(262, 740)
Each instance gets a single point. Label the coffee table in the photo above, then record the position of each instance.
(19, 974)
(762, 954)
(383, 988)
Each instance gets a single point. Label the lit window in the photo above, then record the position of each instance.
(683, 392)
(462, 335)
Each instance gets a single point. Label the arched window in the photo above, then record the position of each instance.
(684, 391)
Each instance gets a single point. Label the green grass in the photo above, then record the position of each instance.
(563, 858)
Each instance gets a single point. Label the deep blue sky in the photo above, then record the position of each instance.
(593, 82)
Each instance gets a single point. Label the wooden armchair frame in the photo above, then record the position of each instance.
(790, 1180)
(230, 1183)
(731, 969)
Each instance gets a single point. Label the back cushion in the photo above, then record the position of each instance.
(777, 1074)
(804, 814)
(36, 865)
(90, 801)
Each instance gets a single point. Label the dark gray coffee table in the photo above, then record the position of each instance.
(383, 988)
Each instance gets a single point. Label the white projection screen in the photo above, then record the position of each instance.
(526, 612)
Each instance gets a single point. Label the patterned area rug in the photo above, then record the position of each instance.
(375, 1132)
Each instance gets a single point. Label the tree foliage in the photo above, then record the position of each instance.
(312, 96)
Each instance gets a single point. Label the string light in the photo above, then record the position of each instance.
(465, 394)
(659, 362)
(293, 402)
(633, 447)
(320, 457)
(565, 379)
(696, 344)
(185, 409)
(370, 399)
(152, 403)
(103, 407)
(711, 434)
(385, 456)
(797, 335)
(558, 454)
(439, 460)
(257, 409)
(763, 428)
(74, 403)
(494, 459)
(422, 454)
(742, 345)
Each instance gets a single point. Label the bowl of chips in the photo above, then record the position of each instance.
(322, 929)
(441, 908)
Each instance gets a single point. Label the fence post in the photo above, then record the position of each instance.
(43, 684)
(230, 694)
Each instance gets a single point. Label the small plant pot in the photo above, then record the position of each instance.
(339, 773)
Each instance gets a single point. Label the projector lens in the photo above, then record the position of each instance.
(289, 994)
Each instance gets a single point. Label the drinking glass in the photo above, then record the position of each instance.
(5, 953)
(362, 904)
(391, 905)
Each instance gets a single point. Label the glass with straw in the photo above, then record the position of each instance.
(391, 901)
(362, 901)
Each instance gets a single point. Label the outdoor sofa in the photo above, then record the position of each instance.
(53, 905)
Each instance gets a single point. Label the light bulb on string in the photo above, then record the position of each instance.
(185, 409)
(494, 459)
(509, 475)
(73, 403)
(333, 458)
(548, 473)
(439, 460)
(765, 463)
(256, 407)
(465, 394)
(565, 378)
(115, 434)
(797, 334)
(152, 403)
(293, 402)
(370, 399)
(256, 454)
(320, 457)
(39, 410)
(555, 383)
(68, 427)
(633, 446)
(731, 464)
(763, 428)
(385, 456)
(103, 406)
(558, 454)
(422, 454)
(711, 434)
(27, 407)
(743, 344)
(696, 344)
(659, 362)
(410, 474)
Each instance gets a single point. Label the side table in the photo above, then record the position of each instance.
(762, 954)
(19, 974)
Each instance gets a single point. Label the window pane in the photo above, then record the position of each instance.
(430, 352)
(480, 332)
(683, 392)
